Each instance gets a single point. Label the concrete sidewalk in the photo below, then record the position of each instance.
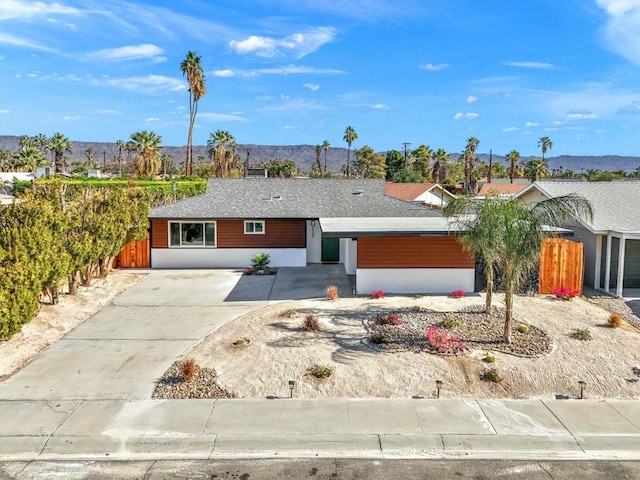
(330, 428)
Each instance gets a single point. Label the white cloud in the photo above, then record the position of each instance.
(131, 52)
(511, 129)
(288, 128)
(291, 70)
(3, 111)
(580, 115)
(21, 42)
(145, 84)
(227, 72)
(472, 99)
(434, 67)
(467, 116)
(152, 119)
(380, 106)
(621, 33)
(221, 117)
(106, 112)
(311, 86)
(72, 118)
(297, 44)
(536, 65)
(631, 109)
(531, 124)
(16, 9)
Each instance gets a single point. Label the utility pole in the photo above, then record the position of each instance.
(406, 149)
(490, 165)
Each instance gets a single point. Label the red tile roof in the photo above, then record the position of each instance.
(407, 191)
(502, 188)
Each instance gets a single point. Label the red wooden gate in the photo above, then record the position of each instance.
(135, 254)
(561, 265)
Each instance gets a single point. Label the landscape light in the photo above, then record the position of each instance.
(292, 385)
(438, 387)
(582, 384)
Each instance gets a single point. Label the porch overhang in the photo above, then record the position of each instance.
(353, 227)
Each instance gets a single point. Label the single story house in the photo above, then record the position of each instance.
(500, 188)
(386, 243)
(428, 194)
(612, 239)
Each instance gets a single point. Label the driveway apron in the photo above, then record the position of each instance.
(121, 352)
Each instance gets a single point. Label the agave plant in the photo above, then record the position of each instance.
(260, 261)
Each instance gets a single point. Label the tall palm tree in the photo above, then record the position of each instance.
(148, 146)
(89, 152)
(26, 159)
(545, 144)
(509, 234)
(440, 159)
(469, 156)
(192, 69)
(422, 164)
(325, 147)
(42, 142)
(120, 145)
(318, 151)
(350, 136)
(60, 144)
(513, 156)
(27, 142)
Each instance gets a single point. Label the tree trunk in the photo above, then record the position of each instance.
(104, 266)
(487, 306)
(508, 318)
(86, 276)
(74, 282)
(53, 295)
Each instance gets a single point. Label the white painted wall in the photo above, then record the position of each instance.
(314, 242)
(224, 257)
(414, 280)
(349, 255)
(432, 199)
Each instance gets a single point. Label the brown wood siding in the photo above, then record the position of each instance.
(159, 233)
(412, 252)
(278, 234)
(561, 265)
(134, 255)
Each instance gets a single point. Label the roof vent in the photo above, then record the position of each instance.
(358, 193)
(276, 197)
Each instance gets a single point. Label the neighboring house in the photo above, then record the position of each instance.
(7, 199)
(505, 189)
(612, 240)
(386, 243)
(428, 194)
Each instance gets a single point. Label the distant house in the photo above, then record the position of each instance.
(386, 243)
(612, 240)
(505, 189)
(428, 194)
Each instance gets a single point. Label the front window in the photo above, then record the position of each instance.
(254, 227)
(192, 234)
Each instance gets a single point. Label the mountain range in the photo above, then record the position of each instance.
(304, 156)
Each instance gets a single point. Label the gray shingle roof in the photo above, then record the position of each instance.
(616, 205)
(291, 198)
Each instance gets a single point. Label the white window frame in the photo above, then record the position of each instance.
(204, 228)
(254, 223)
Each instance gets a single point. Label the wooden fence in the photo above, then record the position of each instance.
(134, 255)
(561, 265)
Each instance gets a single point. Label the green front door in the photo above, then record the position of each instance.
(330, 249)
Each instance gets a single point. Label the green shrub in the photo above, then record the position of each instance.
(583, 334)
(491, 375)
(260, 261)
(490, 358)
(522, 328)
(449, 322)
(378, 338)
(320, 371)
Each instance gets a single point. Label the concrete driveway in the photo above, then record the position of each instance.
(121, 351)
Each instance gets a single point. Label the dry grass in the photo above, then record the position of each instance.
(187, 369)
(311, 324)
(332, 293)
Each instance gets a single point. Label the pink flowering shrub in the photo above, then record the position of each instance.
(457, 293)
(565, 293)
(377, 294)
(247, 270)
(442, 341)
(388, 319)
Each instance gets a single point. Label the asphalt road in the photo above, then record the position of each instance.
(323, 469)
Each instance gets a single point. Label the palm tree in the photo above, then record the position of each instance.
(148, 146)
(422, 164)
(42, 142)
(60, 144)
(469, 155)
(513, 156)
(221, 150)
(89, 152)
(325, 147)
(509, 234)
(191, 67)
(27, 159)
(536, 169)
(27, 142)
(350, 136)
(545, 144)
(441, 157)
(120, 145)
(318, 151)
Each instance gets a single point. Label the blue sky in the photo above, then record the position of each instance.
(284, 72)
